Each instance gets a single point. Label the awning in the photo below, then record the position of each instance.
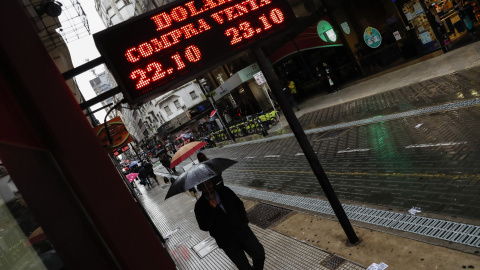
(318, 35)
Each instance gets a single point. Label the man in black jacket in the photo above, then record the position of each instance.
(149, 170)
(220, 212)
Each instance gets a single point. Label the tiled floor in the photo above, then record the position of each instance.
(175, 219)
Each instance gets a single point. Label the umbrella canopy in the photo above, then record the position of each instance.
(180, 137)
(132, 176)
(186, 151)
(213, 112)
(36, 236)
(198, 174)
(133, 163)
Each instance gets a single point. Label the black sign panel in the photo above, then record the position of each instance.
(150, 54)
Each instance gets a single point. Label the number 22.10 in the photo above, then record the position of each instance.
(276, 15)
(156, 72)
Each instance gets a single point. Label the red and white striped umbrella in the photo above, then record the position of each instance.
(186, 151)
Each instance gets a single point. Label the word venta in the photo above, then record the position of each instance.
(178, 14)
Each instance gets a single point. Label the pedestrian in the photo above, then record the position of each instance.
(328, 78)
(143, 175)
(217, 180)
(220, 212)
(290, 97)
(293, 90)
(165, 160)
(149, 167)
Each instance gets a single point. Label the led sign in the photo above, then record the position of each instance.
(150, 54)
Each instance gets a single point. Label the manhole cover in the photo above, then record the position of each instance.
(264, 215)
(332, 262)
(331, 134)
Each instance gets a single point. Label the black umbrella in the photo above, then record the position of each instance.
(198, 174)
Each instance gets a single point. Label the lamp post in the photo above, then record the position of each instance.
(205, 87)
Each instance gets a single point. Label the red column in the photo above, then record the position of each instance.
(58, 164)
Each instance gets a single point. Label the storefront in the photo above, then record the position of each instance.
(360, 38)
(240, 96)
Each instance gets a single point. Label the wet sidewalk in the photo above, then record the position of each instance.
(294, 238)
(192, 248)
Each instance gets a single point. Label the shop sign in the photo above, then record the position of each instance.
(309, 39)
(118, 133)
(325, 32)
(425, 37)
(247, 73)
(233, 82)
(121, 150)
(397, 35)
(259, 78)
(345, 27)
(372, 37)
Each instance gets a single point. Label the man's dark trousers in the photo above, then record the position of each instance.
(254, 249)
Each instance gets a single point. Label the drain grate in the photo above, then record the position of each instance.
(333, 262)
(264, 215)
(331, 134)
(461, 233)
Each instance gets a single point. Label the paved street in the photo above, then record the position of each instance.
(405, 139)
(427, 160)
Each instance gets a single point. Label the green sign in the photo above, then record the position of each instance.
(372, 37)
(325, 32)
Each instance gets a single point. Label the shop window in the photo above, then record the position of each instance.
(167, 110)
(177, 104)
(22, 240)
(193, 95)
(120, 4)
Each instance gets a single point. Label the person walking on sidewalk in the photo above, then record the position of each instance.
(220, 212)
(288, 93)
(143, 175)
(165, 160)
(149, 167)
(325, 73)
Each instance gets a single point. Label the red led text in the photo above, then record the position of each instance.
(245, 30)
(155, 71)
(155, 45)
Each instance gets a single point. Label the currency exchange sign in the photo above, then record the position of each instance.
(150, 54)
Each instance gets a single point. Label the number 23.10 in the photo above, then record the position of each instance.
(155, 69)
(276, 16)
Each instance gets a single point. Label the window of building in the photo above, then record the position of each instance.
(110, 12)
(193, 95)
(167, 110)
(177, 104)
